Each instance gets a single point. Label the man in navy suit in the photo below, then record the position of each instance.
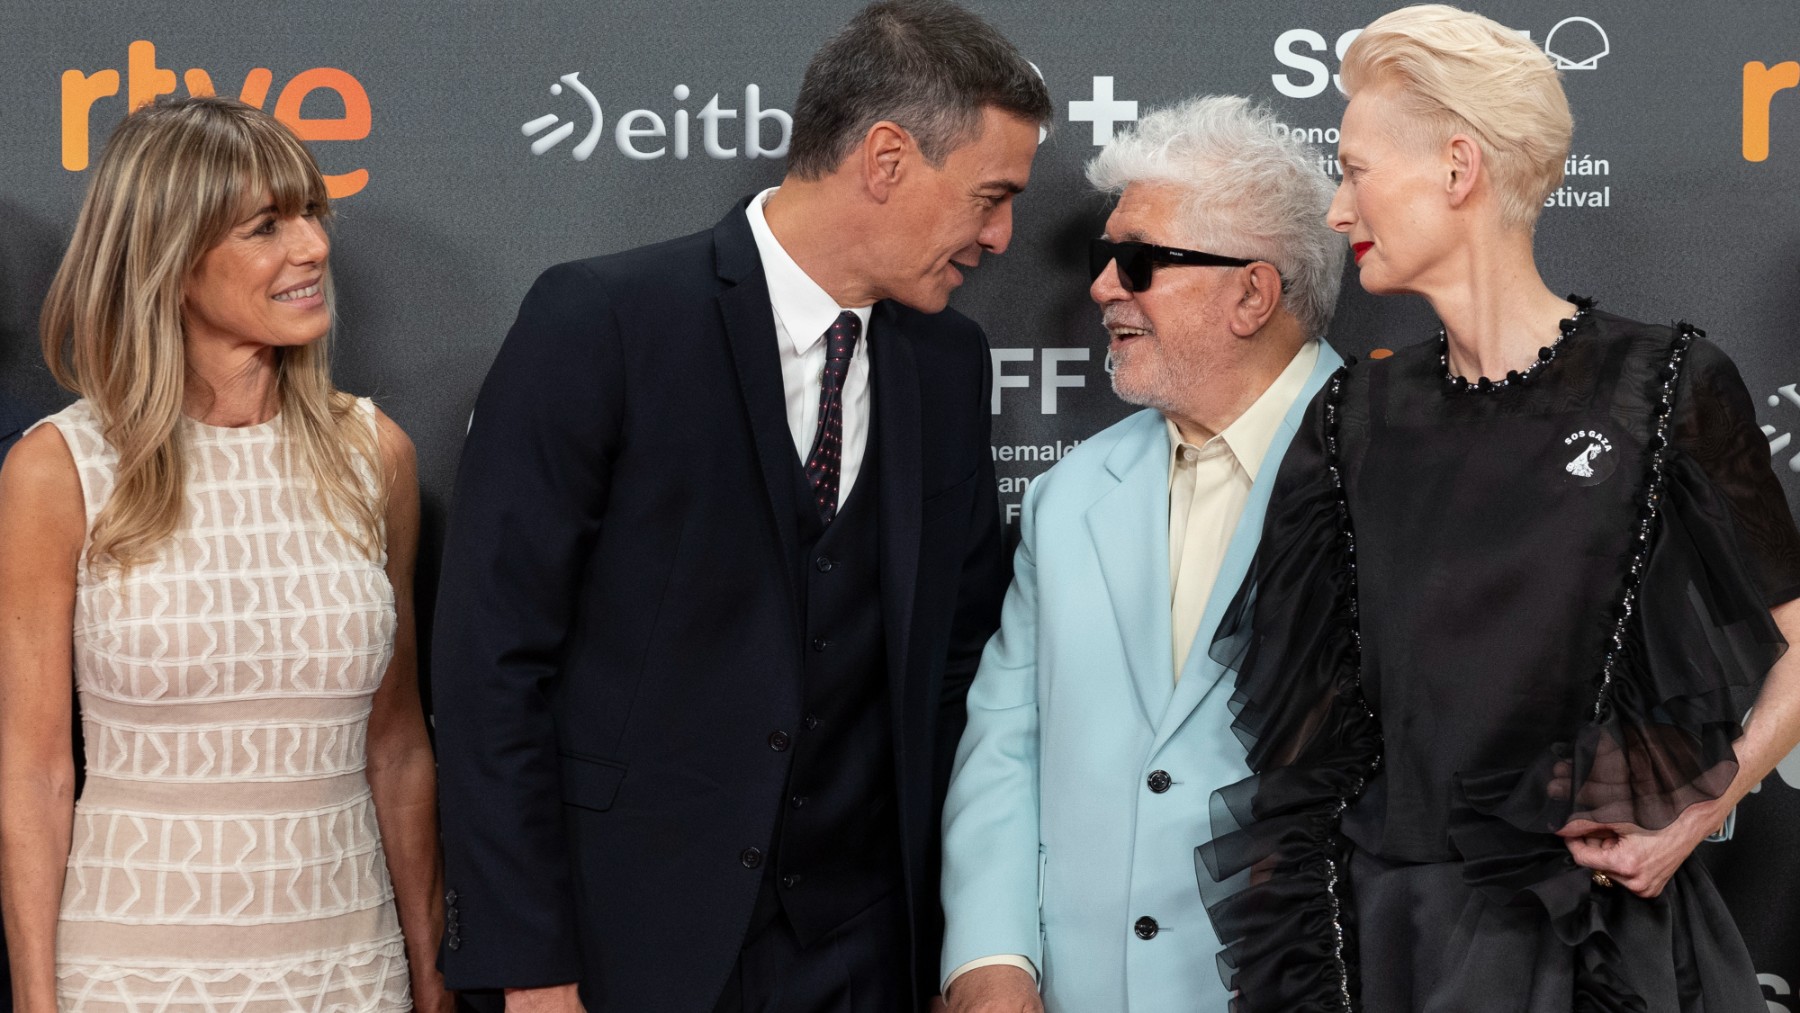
(724, 553)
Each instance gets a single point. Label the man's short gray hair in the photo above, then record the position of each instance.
(1253, 190)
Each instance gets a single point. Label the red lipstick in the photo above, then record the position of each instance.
(1358, 249)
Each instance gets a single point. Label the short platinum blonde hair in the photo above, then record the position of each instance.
(1458, 72)
(1253, 190)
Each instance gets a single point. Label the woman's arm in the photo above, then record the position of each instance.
(42, 525)
(1643, 861)
(402, 773)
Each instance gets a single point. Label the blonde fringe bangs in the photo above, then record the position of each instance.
(173, 179)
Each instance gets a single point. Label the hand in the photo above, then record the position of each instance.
(997, 988)
(1642, 861)
(549, 999)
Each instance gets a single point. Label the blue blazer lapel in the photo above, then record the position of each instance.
(1201, 672)
(1130, 527)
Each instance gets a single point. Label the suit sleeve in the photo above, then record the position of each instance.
(990, 881)
(530, 494)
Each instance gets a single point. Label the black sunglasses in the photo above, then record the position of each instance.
(1138, 261)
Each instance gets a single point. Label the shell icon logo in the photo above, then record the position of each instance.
(1576, 44)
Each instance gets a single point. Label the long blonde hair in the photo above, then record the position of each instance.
(174, 178)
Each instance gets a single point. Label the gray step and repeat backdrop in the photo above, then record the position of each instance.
(473, 144)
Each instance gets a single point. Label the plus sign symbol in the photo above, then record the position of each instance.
(1103, 111)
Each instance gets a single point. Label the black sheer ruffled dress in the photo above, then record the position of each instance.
(1476, 616)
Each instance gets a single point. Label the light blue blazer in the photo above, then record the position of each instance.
(1055, 846)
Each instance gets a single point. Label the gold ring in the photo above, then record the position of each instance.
(1601, 878)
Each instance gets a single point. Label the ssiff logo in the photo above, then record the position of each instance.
(1576, 43)
(643, 134)
(144, 81)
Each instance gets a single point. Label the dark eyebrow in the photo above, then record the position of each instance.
(1003, 185)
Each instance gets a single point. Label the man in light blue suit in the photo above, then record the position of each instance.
(1098, 723)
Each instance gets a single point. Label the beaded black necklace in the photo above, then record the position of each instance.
(1515, 377)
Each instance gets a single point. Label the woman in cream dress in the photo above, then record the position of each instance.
(219, 545)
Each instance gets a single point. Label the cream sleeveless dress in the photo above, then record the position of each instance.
(225, 854)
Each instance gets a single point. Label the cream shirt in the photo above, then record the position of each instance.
(1208, 486)
(803, 313)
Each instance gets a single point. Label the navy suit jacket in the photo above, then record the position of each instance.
(618, 635)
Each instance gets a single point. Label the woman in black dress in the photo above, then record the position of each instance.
(1513, 604)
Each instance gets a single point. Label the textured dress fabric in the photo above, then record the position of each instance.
(225, 853)
(1477, 616)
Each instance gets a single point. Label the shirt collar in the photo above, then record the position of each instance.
(1248, 437)
(806, 311)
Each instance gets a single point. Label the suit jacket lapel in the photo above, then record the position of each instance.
(1202, 673)
(1130, 527)
(750, 332)
(895, 389)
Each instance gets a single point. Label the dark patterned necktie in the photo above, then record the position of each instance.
(826, 461)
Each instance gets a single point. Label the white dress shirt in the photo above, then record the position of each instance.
(1208, 486)
(803, 313)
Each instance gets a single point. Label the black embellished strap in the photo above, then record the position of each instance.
(1649, 507)
(1514, 377)
(1334, 396)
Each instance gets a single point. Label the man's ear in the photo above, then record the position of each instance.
(883, 152)
(1259, 296)
(1465, 164)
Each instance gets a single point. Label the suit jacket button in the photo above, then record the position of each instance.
(752, 857)
(810, 721)
(824, 563)
(792, 880)
(779, 741)
(820, 643)
(450, 898)
(453, 941)
(1160, 780)
(1146, 928)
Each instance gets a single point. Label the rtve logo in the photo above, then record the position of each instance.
(144, 81)
(1761, 83)
(643, 135)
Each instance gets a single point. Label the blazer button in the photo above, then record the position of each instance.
(797, 801)
(792, 880)
(810, 721)
(450, 897)
(820, 643)
(824, 563)
(1160, 780)
(779, 741)
(1146, 928)
(752, 857)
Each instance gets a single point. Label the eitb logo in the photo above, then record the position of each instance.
(642, 135)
